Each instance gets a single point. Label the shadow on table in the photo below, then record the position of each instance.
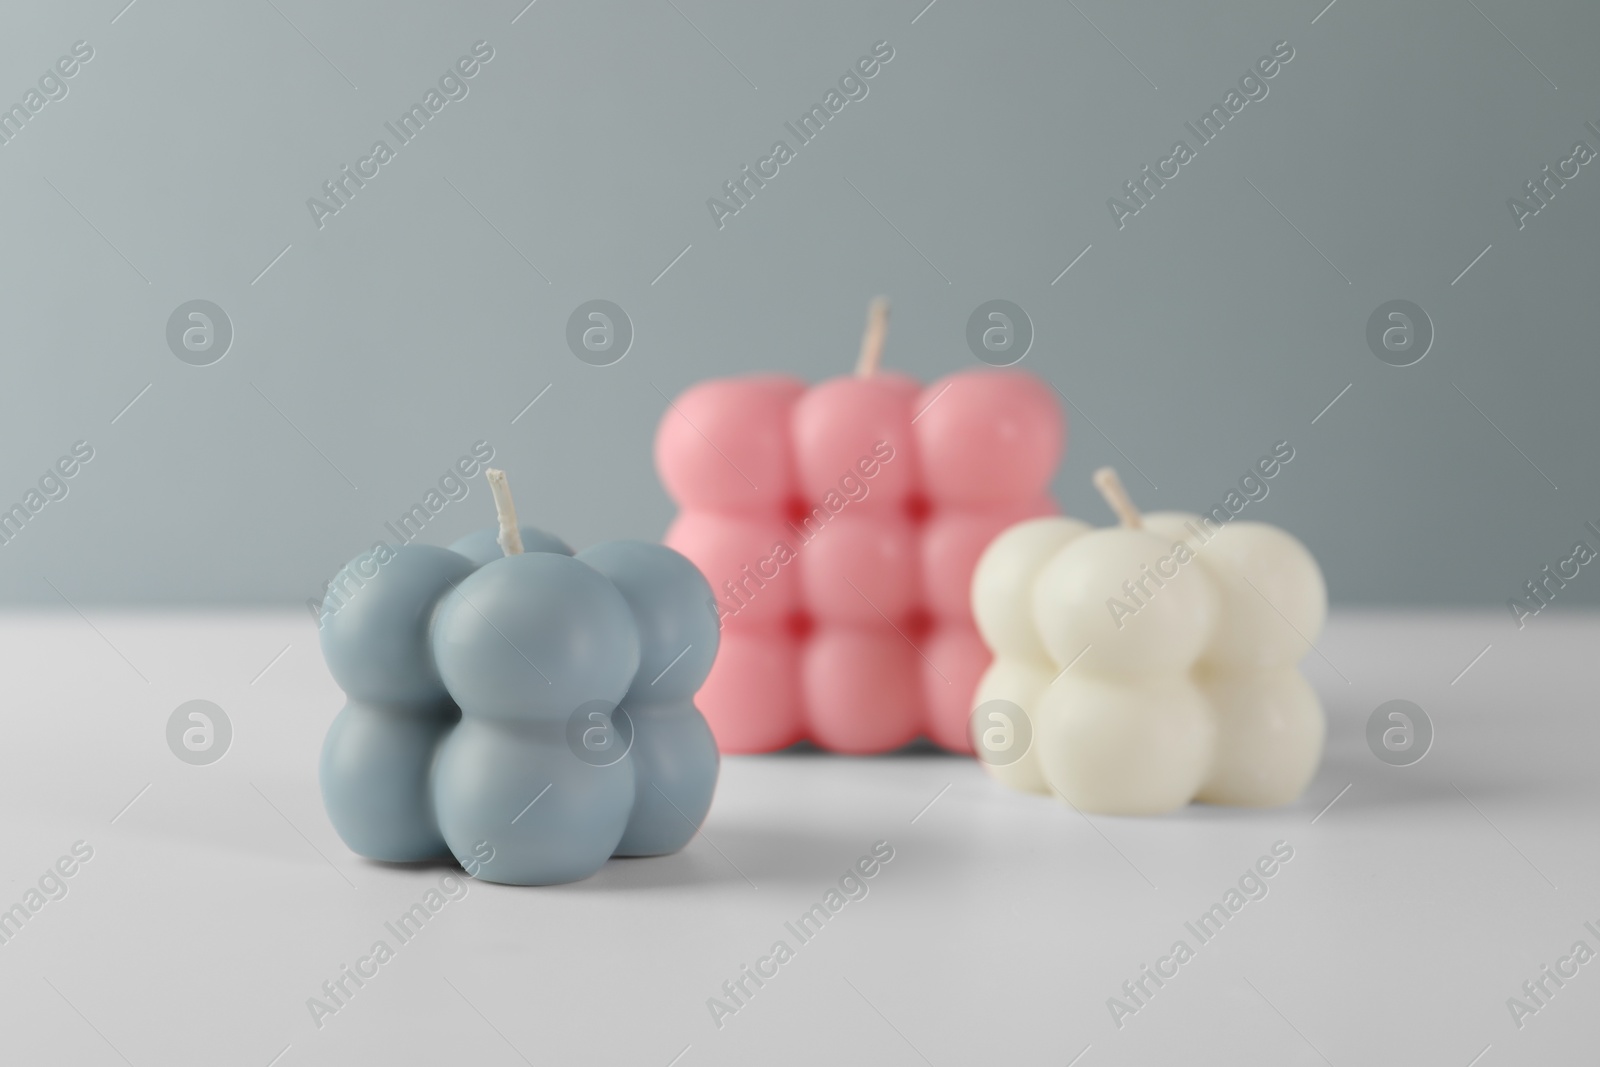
(736, 854)
(921, 748)
(749, 855)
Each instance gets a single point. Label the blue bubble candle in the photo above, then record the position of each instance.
(527, 711)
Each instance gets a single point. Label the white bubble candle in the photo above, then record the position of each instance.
(1153, 662)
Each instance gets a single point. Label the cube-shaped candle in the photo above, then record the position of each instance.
(1150, 664)
(839, 527)
(521, 708)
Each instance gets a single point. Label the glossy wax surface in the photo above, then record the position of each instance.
(529, 715)
(839, 527)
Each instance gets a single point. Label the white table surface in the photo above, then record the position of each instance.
(220, 899)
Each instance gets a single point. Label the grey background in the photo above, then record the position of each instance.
(378, 349)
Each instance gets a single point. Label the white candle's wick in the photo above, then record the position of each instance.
(510, 536)
(1116, 495)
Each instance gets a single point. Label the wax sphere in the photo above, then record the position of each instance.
(1269, 737)
(863, 570)
(1273, 598)
(674, 755)
(490, 794)
(1116, 597)
(753, 698)
(861, 689)
(675, 762)
(483, 546)
(671, 606)
(953, 542)
(525, 644)
(1187, 528)
(374, 778)
(751, 560)
(1020, 682)
(844, 422)
(531, 637)
(724, 445)
(1126, 746)
(953, 660)
(988, 437)
(375, 622)
(1003, 581)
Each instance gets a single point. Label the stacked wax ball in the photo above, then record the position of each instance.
(528, 712)
(1153, 662)
(839, 527)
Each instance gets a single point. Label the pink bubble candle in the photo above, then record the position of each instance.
(839, 527)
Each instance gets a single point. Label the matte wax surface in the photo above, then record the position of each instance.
(1150, 666)
(531, 715)
(839, 527)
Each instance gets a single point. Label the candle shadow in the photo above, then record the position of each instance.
(442, 863)
(749, 855)
(736, 855)
(921, 748)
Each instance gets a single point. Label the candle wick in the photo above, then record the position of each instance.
(1116, 495)
(510, 536)
(872, 339)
